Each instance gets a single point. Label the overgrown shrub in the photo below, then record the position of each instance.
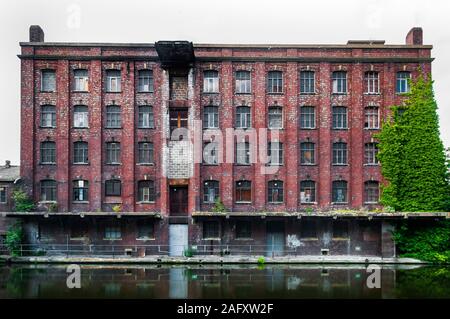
(428, 242)
(219, 207)
(22, 202)
(14, 237)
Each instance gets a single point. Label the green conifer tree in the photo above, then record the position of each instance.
(412, 155)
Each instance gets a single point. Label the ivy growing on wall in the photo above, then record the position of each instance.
(411, 153)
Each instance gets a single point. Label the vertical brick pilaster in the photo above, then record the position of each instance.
(291, 139)
(128, 138)
(259, 121)
(226, 121)
(356, 117)
(27, 114)
(63, 148)
(95, 143)
(324, 149)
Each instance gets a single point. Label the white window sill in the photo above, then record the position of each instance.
(145, 238)
(145, 202)
(215, 238)
(308, 203)
(115, 239)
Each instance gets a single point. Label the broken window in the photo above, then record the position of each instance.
(146, 191)
(80, 190)
(146, 230)
(275, 192)
(210, 191)
(307, 192)
(339, 192)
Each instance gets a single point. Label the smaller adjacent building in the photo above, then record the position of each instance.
(9, 176)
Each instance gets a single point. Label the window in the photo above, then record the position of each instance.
(80, 80)
(113, 116)
(113, 79)
(48, 152)
(403, 82)
(210, 229)
(48, 81)
(275, 153)
(275, 117)
(211, 117)
(339, 117)
(80, 190)
(371, 192)
(146, 230)
(80, 153)
(275, 192)
(243, 153)
(339, 79)
(210, 191)
(339, 153)
(146, 191)
(210, 153)
(372, 118)
(48, 190)
(145, 81)
(79, 230)
(243, 82)
(308, 229)
(307, 117)
(370, 154)
(210, 81)
(307, 192)
(243, 192)
(145, 152)
(243, 229)
(113, 232)
(48, 116)
(3, 195)
(145, 117)
(80, 116)
(307, 156)
(307, 82)
(243, 117)
(112, 153)
(275, 82)
(372, 82)
(113, 187)
(340, 229)
(339, 192)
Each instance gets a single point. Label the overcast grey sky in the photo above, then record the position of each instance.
(209, 21)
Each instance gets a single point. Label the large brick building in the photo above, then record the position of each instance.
(281, 135)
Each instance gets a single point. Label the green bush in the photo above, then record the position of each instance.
(425, 242)
(219, 207)
(13, 240)
(261, 260)
(22, 202)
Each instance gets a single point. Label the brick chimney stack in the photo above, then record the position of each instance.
(36, 34)
(7, 164)
(415, 36)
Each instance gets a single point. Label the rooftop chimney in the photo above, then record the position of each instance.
(36, 34)
(7, 164)
(415, 36)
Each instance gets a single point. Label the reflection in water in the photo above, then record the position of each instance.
(224, 281)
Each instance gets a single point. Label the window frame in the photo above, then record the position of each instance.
(307, 82)
(339, 82)
(81, 112)
(113, 188)
(44, 147)
(243, 81)
(339, 117)
(306, 117)
(370, 154)
(340, 153)
(280, 115)
(240, 187)
(78, 190)
(48, 110)
(145, 77)
(208, 186)
(280, 153)
(210, 81)
(372, 82)
(239, 155)
(275, 82)
(371, 189)
(214, 156)
(48, 187)
(371, 113)
(3, 195)
(143, 112)
(113, 117)
(116, 150)
(211, 114)
(403, 82)
(243, 115)
(146, 191)
(80, 82)
(112, 75)
(311, 186)
(272, 187)
(336, 186)
(83, 148)
(208, 234)
(44, 89)
(243, 232)
(146, 159)
(303, 149)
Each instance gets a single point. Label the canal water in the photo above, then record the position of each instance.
(226, 281)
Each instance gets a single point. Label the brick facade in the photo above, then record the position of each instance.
(177, 85)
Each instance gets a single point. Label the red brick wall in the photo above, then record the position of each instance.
(129, 60)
